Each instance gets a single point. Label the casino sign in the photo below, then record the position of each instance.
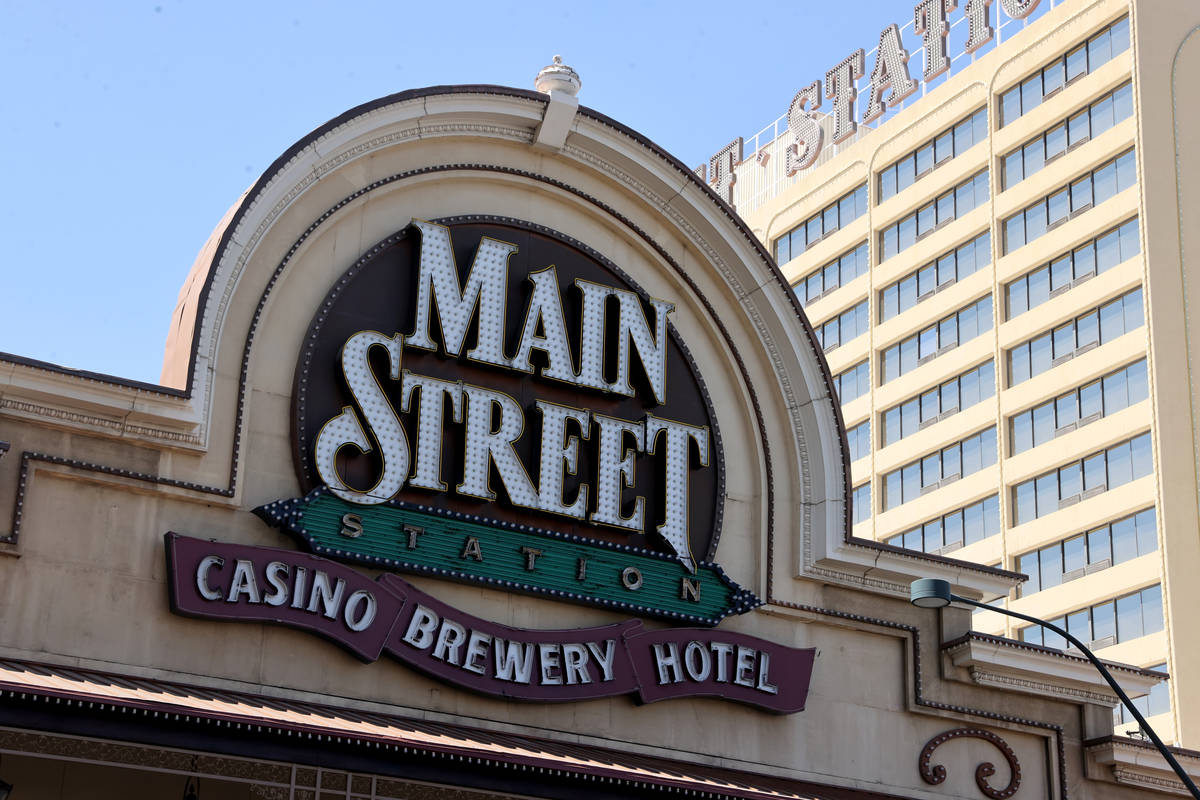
(486, 400)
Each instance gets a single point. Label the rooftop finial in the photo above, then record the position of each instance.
(558, 77)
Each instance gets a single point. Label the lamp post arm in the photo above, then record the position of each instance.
(1099, 665)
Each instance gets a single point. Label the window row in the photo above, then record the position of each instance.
(945, 334)
(858, 439)
(948, 206)
(1080, 195)
(939, 468)
(1087, 57)
(860, 509)
(954, 530)
(838, 272)
(1112, 467)
(851, 323)
(1089, 122)
(955, 395)
(1105, 624)
(943, 147)
(1080, 555)
(828, 220)
(1086, 261)
(1076, 408)
(944, 271)
(1085, 332)
(853, 383)
(1158, 701)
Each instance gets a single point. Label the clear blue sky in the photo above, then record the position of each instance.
(130, 127)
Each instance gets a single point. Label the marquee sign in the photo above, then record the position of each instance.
(389, 615)
(489, 401)
(537, 426)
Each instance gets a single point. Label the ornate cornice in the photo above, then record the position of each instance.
(1001, 681)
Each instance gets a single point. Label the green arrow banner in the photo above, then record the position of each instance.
(409, 538)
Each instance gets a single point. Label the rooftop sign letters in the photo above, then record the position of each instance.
(488, 401)
(889, 74)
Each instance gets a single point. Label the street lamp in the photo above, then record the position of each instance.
(935, 593)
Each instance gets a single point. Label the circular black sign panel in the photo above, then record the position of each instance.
(594, 399)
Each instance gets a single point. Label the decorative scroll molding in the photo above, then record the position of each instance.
(1134, 777)
(111, 425)
(1137, 763)
(936, 773)
(985, 678)
(842, 576)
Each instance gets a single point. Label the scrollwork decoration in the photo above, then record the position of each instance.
(936, 773)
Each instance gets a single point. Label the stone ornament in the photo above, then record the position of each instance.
(558, 77)
(936, 773)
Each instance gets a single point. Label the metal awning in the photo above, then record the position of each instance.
(141, 702)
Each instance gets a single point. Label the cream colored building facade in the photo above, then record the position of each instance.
(1005, 308)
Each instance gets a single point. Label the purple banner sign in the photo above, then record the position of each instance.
(214, 580)
(495, 659)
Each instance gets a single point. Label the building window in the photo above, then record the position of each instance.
(947, 207)
(1087, 57)
(946, 145)
(853, 383)
(930, 342)
(1105, 624)
(1085, 553)
(939, 468)
(1077, 197)
(1090, 402)
(861, 503)
(826, 222)
(851, 323)
(859, 440)
(1090, 122)
(959, 528)
(836, 273)
(1158, 701)
(980, 613)
(1076, 337)
(1070, 269)
(955, 395)
(946, 270)
(1079, 480)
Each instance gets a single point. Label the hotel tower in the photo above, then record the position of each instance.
(997, 270)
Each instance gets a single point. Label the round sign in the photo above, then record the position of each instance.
(499, 371)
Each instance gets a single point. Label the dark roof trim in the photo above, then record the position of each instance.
(1050, 651)
(1138, 743)
(952, 562)
(88, 375)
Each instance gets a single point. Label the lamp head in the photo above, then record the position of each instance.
(929, 593)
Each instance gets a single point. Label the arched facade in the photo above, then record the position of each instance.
(165, 508)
